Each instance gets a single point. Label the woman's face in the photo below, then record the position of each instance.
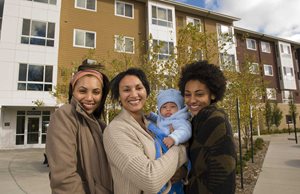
(132, 94)
(196, 96)
(88, 91)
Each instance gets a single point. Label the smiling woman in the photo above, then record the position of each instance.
(74, 147)
(212, 149)
(130, 146)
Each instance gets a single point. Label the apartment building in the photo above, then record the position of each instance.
(278, 60)
(41, 38)
(29, 40)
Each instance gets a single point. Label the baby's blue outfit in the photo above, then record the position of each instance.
(180, 122)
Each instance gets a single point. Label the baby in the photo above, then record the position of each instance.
(172, 115)
(173, 126)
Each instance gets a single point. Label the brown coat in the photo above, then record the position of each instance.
(75, 152)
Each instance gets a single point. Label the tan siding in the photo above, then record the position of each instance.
(105, 24)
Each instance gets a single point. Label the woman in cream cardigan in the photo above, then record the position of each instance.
(130, 146)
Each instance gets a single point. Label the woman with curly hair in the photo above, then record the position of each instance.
(212, 149)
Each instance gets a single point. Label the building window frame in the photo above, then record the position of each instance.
(163, 49)
(39, 33)
(195, 22)
(251, 44)
(162, 16)
(254, 68)
(81, 39)
(122, 46)
(288, 72)
(265, 47)
(34, 77)
(89, 5)
(224, 32)
(51, 2)
(285, 49)
(287, 96)
(228, 62)
(271, 93)
(268, 70)
(124, 5)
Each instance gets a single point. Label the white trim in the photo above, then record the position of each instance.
(269, 92)
(84, 8)
(267, 65)
(132, 8)
(248, 46)
(193, 18)
(85, 31)
(116, 37)
(266, 43)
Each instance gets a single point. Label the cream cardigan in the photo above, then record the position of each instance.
(131, 155)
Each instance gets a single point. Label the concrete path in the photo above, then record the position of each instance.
(281, 168)
(22, 171)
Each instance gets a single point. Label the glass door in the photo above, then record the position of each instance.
(33, 130)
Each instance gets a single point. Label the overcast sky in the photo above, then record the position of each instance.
(278, 18)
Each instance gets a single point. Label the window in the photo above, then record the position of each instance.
(162, 17)
(164, 49)
(285, 49)
(195, 54)
(228, 62)
(1, 14)
(35, 77)
(251, 44)
(268, 70)
(124, 9)
(271, 93)
(38, 33)
(86, 4)
(53, 2)
(265, 47)
(287, 96)
(85, 39)
(224, 32)
(288, 119)
(195, 22)
(254, 68)
(124, 44)
(288, 72)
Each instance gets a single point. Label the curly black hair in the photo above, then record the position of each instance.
(115, 82)
(98, 67)
(208, 74)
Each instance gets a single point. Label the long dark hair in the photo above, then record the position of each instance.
(98, 67)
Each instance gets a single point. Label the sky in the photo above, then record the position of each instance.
(279, 18)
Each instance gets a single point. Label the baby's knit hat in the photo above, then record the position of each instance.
(169, 95)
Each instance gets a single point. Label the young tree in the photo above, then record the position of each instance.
(292, 108)
(268, 115)
(277, 115)
(246, 85)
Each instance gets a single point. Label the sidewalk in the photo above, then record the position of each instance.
(281, 168)
(22, 171)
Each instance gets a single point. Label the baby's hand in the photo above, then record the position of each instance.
(169, 141)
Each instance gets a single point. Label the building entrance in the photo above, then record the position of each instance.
(32, 128)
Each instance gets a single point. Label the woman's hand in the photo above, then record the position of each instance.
(180, 174)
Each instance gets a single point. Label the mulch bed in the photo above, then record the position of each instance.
(251, 171)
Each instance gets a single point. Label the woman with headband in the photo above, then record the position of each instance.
(74, 146)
